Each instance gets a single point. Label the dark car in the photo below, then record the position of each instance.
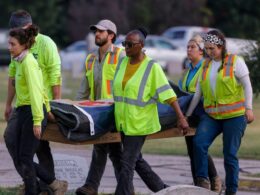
(4, 53)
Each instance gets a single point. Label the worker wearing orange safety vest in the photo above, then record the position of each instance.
(195, 53)
(227, 99)
(97, 84)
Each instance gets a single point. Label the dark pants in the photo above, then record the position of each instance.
(26, 145)
(211, 167)
(43, 151)
(132, 159)
(99, 160)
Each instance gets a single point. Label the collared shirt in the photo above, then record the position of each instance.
(192, 72)
(45, 51)
(29, 86)
(84, 90)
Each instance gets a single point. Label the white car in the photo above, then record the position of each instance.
(180, 35)
(4, 52)
(159, 48)
(74, 55)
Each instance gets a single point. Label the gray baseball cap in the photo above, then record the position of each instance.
(104, 25)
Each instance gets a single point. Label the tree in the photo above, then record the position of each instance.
(236, 18)
(253, 61)
(49, 15)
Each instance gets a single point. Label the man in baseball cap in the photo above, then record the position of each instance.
(104, 25)
(97, 84)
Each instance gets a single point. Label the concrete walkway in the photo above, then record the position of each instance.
(72, 162)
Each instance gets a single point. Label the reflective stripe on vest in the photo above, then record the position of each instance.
(205, 69)
(138, 101)
(219, 110)
(191, 88)
(226, 108)
(108, 69)
(90, 62)
(112, 59)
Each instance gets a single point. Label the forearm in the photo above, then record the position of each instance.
(176, 107)
(248, 92)
(194, 102)
(56, 92)
(10, 91)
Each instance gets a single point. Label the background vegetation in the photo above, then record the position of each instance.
(68, 20)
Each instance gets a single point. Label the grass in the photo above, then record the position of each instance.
(8, 191)
(250, 146)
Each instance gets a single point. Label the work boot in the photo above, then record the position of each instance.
(45, 189)
(203, 183)
(59, 187)
(216, 184)
(86, 190)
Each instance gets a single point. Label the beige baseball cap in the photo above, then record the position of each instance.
(104, 25)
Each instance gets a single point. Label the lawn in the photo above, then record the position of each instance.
(250, 147)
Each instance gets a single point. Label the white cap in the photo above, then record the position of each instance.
(104, 25)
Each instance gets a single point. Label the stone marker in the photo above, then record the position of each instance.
(185, 190)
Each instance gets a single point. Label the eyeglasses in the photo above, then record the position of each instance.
(129, 44)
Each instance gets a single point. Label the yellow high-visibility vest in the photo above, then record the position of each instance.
(108, 71)
(193, 82)
(228, 100)
(136, 105)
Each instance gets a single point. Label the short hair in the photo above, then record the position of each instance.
(19, 19)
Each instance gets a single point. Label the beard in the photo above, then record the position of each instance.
(100, 42)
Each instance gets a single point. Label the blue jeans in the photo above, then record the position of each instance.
(208, 129)
(132, 160)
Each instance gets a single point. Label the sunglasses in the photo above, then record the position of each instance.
(129, 44)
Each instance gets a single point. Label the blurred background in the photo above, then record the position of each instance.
(67, 23)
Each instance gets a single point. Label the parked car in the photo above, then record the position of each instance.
(243, 47)
(74, 55)
(4, 52)
(180, 35)
(170, 57)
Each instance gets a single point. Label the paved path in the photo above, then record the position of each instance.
(174, 170)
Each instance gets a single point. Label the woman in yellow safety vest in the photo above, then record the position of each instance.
(139, 84)
(225, 86)
(32, 106)
(195, 53)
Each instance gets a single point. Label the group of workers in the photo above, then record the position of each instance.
(136, 83)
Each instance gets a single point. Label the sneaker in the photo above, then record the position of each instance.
(86, 190)
(216, 184)
(59, 187)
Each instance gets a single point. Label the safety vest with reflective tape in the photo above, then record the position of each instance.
(136, 105)
(228, 100)
(108, 71)
(193, 82)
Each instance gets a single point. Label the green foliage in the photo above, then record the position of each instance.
(8, 191)
(49, 15)
(253, 63)
(236, 18)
